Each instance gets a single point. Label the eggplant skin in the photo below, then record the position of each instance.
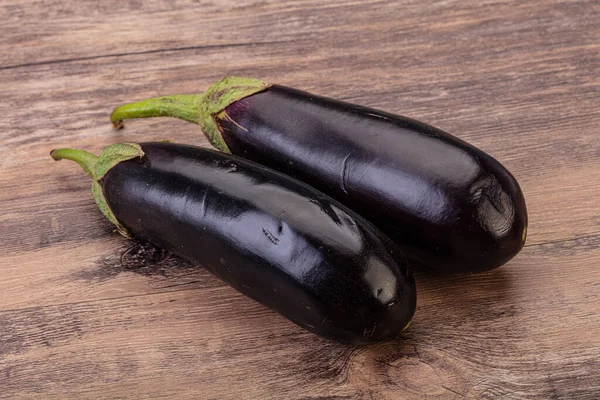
(273, 238)
(446, 203)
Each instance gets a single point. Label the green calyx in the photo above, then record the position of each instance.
(198, 108)
(220, 96)
(98, 167)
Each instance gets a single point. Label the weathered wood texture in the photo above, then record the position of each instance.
(87, 314)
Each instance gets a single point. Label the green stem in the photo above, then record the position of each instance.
(87, 160)
(201, 109)
(182, 106)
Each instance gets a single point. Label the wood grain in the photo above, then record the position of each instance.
(87, 314)
(494, 335)
(102, 29)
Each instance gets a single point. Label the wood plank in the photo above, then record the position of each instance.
(44, 31)
(493, 335)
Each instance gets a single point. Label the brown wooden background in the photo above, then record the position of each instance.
(86, 314)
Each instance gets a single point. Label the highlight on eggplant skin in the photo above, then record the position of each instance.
(271, 237)
(446, 203)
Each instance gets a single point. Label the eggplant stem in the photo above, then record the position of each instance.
(86, 160)
(182, 106)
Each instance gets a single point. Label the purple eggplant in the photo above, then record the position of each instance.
(271, 237)
(444, 202)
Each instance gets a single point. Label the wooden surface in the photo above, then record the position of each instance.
(85, 313)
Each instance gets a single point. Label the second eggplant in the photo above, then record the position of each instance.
(446, 203)
(271, 237)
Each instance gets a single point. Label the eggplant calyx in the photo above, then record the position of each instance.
(97, 167)
(220, 96)
(199, 109)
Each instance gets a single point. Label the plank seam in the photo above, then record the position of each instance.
(110, 299)
(564, 240)
(135, 53)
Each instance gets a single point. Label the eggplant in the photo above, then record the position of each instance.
(269, 236)
(447, 204)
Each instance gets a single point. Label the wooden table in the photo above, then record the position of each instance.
(85, 313)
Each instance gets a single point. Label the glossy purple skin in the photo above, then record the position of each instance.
(271, 237)
(446, 203)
